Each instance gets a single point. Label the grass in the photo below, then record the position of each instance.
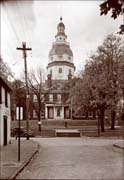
(88, 127)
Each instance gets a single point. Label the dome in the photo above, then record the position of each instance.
(61, 25)
(60, 49)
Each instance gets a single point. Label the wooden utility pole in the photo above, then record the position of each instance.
(24, 49)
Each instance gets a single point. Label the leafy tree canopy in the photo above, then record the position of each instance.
(116, 7)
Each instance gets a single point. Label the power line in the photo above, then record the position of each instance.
(24, 17)
(13, 28)
(22, 26)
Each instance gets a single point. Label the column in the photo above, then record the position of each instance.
(54, 112)
(62, 112)
(46, 112)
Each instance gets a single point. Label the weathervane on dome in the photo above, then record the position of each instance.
(61, 18)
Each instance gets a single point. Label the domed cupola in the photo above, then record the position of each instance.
(61, 50)
(61, 30)
(61, 53)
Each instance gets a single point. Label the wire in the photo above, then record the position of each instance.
(21, 19)
(13, 28)
(25, 19)
(9, 43)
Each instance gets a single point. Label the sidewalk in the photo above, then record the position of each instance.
(119, 144)
(9, 164)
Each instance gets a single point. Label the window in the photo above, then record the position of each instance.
(69, 71)
(50, 97)
(0, 94)
(58, 111)
(59, 97)
(51, 72)
(59, 86)
(69, 57)
(6, 98)
(34, 113)
(60, 70)
(60, 57)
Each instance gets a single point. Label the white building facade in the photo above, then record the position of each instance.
(5, 113)
(60, 69)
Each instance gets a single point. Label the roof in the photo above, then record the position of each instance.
(60, 33)
(60, 49)
(58, 63)
(5, 84)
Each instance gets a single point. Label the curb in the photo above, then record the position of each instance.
(24, 164)
(117, 146)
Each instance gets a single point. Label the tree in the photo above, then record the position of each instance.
(5, 71)
(113, 52)
(71, 87)
(18, 96)
(99, 85)
(108, 57)
(39, 90)
(117, 8)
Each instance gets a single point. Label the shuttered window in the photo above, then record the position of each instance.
(6, 98)
(0, 94)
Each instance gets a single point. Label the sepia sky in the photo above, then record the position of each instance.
(36, 21)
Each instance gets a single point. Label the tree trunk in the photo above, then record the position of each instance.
(113, 115)
(102, 112)
(94, 114)
(39, 120)
(86, 114)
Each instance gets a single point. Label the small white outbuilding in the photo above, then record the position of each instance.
(5, 113)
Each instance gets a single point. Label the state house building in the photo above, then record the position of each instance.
(60, 69)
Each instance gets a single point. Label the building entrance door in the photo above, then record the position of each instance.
(5, 130)
(67, 113)
(50, 112)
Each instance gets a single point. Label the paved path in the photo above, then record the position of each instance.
(76, 158)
